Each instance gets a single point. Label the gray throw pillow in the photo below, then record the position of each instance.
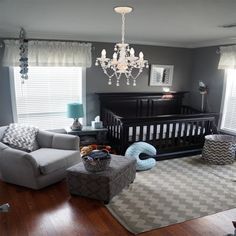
(20, 136)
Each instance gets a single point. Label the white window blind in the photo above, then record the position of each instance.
(42, 100)
(228, 122)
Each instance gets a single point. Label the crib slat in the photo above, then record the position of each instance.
(148, 133)
(196, 126)
(116, 128)
(173, 133)
(141, 133)
(113, 127)
(167, 134)
(109, 125)
(133, 133)
(124, 135)
(186, 125)
(154, 132)
(179, 134)
(202, 128)
(190, 136)
(161, 134)
(202, 124)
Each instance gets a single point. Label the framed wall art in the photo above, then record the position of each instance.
(161, 75)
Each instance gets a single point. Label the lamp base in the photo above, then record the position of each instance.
(76, 126)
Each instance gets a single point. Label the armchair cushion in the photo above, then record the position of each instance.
(44, 139)
(65, 141)
(47, 139)
(50, 160)
(20, 136)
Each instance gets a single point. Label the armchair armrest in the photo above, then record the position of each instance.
(65, 141)
(18, 161)
(3, 146)
(18, 167)
(18, 156)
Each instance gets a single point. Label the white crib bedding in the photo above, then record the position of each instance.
(156, 136)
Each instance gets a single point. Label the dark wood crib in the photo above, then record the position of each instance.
(155, 118)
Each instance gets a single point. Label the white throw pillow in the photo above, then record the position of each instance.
(20, 136)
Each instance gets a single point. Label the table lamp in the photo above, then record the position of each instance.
(75, 111)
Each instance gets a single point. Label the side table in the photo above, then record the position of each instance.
(89, 135)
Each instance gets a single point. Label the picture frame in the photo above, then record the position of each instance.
(161, 75)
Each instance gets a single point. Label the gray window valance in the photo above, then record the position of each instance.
(227, 57)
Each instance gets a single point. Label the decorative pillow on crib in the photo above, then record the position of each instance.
(21, 137)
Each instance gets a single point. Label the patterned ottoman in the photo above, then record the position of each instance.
(219, 149)
(102, 185)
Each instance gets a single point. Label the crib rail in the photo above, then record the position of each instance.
(113, 123)
(188, 110)
(168, 133)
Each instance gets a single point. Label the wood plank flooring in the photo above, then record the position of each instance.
(53, 212)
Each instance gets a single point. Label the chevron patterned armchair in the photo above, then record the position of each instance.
(42, 167)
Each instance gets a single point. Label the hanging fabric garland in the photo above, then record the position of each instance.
(23, 56)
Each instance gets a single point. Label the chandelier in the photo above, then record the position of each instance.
(124, 60)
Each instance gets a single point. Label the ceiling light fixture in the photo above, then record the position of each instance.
(124, 60)
(228, 26)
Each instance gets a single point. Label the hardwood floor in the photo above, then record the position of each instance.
(52, 211)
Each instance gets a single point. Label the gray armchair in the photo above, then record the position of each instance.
(46, 165)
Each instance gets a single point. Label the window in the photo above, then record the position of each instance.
(228, 120)
(42, 99)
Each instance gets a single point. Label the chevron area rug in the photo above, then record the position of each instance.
(175, 191)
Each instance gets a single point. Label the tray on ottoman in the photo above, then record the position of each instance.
(105, 184)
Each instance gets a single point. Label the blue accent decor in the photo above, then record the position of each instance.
(23, 56)
(136, 149)
(75, 110)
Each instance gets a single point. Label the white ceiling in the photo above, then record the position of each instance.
(185, 23)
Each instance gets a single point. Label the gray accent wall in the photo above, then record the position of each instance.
(190, 66)
(205, 63)
(96, 80)
(6, 115)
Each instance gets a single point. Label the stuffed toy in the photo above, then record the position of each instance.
(87, 149)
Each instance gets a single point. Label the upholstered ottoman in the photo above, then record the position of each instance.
(219, 149)
(102, 185)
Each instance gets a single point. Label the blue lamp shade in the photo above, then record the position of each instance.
(75, 110)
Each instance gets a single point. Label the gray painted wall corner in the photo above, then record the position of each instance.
(205, 68)
(6, 115)
(190, 66)
(96, 80)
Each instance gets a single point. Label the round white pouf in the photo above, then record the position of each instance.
(136, 149)
(219, 149)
